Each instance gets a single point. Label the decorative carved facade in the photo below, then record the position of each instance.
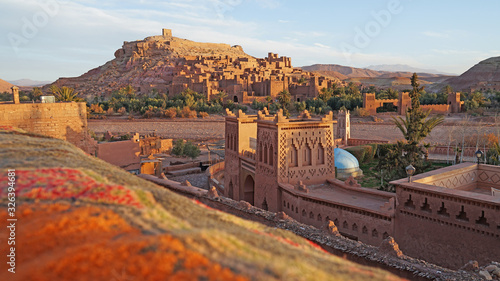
(446, 216)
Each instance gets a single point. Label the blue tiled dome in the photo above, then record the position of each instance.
(345, 160)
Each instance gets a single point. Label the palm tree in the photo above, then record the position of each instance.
(415, 127)
(415, 134)
(220, 97)
(302, 80)
(325, 94)
(65, 94)
(284, 98)
(35, 94)
(269, 100)
(447, 89)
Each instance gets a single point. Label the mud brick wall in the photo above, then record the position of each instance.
(64, 120)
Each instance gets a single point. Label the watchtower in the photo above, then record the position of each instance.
(404, 102)
(343, 126)
(167, 32)
(15, 94)
(454, 102)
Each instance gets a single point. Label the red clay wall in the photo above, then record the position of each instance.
(424, 231)
(436, 108)
(356, 142)
(64, 120)
(124, 154)
(362, 225)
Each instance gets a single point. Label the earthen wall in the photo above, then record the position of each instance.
(64, 120)
(447, 227)
(124, 154)
(355, 223)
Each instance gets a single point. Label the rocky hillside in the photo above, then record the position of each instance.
(485, 74)
(148, 62)
(5, 86)
(83, 219)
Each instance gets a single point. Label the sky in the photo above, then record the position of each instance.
(48, 39)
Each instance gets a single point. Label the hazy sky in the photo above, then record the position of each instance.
(48, 39)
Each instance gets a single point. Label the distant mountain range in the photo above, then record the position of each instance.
(29, 83)
(399, 80)
(406, 68)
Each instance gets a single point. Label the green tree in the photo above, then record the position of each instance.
(352, 89)
(178, 148)
(300, 106)
(220, 97)
(35, 94)
(191, 150)
(415, 127)
(392, 93)
(474, 101)
(447, 89)
(128, 92)
(325, 94)
(269, 100)
(284, 98)
(185, 149)
(65, 94)
(302, 80)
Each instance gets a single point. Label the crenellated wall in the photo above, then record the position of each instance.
(446, 217)
(362, 224)
(370, 103)
(436, 108)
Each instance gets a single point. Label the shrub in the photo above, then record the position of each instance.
(383, 149)
(110, 111)
(257, 105)
(178, 148)
(191, 150)
(300, 106)
(188, 149)
(374, 149)
(125, 137)
(188, 113)
(203, 114)
(122, 110)
(170, 112)
(96, 108)
(360, 112)
(368, 153)
(358, 152)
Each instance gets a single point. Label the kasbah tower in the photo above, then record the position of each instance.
(280, 164)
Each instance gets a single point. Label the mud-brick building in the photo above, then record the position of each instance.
(403, 102)
(447, 216)
(281, 164)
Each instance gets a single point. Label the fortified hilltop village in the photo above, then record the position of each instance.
(281, 185)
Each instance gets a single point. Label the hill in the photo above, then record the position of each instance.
(368, 77)
(346, 71)
(482, 76)
(5, 86)
(405, 68)
(83, 219)
(152, 63)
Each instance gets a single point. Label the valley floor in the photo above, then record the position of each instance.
(212, 128)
